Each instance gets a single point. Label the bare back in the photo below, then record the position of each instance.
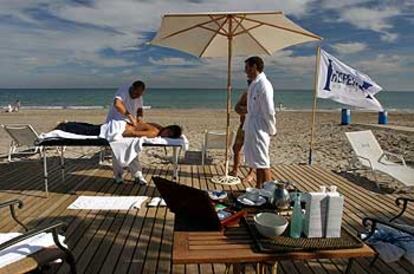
(150, 130)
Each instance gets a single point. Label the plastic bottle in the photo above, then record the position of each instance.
(296, 223)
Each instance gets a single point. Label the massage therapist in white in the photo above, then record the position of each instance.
(260, 123)
(128, 105)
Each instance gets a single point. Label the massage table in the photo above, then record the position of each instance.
(61, 139)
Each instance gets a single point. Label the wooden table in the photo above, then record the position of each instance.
(235, 246)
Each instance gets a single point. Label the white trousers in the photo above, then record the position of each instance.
(134, 167)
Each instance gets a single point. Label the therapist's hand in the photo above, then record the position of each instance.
(139, 120)
(133, 120)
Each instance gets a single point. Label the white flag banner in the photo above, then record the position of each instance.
(343, 84)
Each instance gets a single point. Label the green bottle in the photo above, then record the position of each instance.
(296, 222)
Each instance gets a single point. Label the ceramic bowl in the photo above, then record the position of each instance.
(270, 225)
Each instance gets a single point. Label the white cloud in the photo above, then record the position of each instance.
(383, 64)
(391, 71)
(375, 19)
(171, 61)
(139, 15)
(389, 37)
(329, 4)
(289, 63)
(350, 48)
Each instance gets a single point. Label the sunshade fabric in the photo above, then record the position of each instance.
(206, 35)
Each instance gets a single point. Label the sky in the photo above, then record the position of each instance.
(103, 43)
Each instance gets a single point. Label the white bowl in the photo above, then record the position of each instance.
(270, 225)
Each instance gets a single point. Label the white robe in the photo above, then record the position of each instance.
(260, 123)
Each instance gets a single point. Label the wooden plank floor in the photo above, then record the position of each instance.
(141, 241)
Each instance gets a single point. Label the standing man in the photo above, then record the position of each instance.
(128, 105)
(260, 123)
(241, 109)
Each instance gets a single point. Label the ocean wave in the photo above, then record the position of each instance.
(285, 108)
(65, 107)
(57, 107)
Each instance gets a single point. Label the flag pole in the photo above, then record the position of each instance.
(318, 53)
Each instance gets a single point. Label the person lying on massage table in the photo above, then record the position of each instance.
(151, 130)
(115, 130)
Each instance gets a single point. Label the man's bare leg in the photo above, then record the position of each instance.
(249, 177)
(263, 175)
(267, 175)
(259, 177)
(236, 158)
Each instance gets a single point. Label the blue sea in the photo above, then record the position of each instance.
(181, 98)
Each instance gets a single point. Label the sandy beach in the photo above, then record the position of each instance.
(290, 146)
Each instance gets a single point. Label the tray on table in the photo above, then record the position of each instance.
(284, 243)
(232, 202)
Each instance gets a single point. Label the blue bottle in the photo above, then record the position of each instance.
(296, 222)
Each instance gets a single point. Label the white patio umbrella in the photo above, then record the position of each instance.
(221, 34)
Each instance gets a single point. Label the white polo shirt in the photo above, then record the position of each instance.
(132, 105)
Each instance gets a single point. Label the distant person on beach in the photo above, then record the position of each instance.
(241, 109)
(16, 106)
(128, 106)
(260, 122)
(9, 108)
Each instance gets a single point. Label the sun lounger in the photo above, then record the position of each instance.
(33, 249)
(23, 137)
(59, 138)
(370, 155)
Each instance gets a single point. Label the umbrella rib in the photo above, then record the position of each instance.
(217, 23)
(213, 30)
(284, 28)
(189, 28)
(254, 39)
(248, 29)
(238, 23)
(213, 36)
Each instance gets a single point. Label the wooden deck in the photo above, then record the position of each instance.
(141, 241)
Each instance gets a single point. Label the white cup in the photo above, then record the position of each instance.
(252, 194)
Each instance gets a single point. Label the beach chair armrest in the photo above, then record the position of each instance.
(366, 159)
(11, 205)
(54, 229)
(401, 202)
(387, 153)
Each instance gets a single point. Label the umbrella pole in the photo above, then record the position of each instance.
(229, 46)
(226, 179)
(314, 105)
